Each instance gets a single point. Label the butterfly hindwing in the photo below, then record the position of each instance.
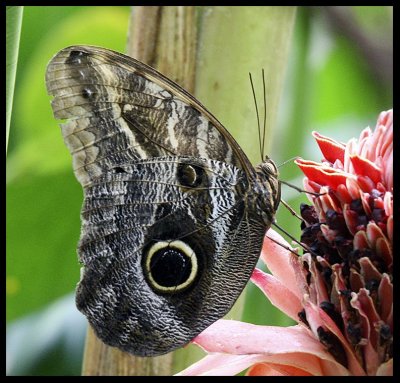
(125, 214)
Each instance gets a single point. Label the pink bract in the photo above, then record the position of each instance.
(340, 291)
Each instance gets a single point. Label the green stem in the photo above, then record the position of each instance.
(234, 41)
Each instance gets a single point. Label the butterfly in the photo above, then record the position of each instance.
(174, 214)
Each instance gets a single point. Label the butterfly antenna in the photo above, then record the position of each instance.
(294, 186)
(265, 114)
(287, 161)
(258, 116)
(315, 194)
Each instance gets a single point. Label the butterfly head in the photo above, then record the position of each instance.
(268, 190)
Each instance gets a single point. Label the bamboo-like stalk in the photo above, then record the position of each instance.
(214, 65)
(165, 38)
(102, 360)
(234, 41)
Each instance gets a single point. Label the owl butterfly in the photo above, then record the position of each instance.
(174, 214)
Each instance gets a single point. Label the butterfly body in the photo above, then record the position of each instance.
(174, 214)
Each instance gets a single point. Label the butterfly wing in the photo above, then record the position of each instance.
(201, 252)
(114, 101)
(170, 232)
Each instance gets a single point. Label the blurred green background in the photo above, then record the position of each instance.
(339, 77)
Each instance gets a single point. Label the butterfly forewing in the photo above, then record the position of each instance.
(120, 110)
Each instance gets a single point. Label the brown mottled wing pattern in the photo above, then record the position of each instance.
(114, 101)
(162, 180)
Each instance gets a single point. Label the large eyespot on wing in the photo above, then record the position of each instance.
(119, 110)
(166, 249)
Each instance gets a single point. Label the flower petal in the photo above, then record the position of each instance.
(366, 168)
(279, 345)
(234, 337)
(388, 203)
(265, 369)
(270, 369)
(370, 355)
(368, 270)
(260, 364)
(321, 174)
(389, 226)
(221, 364)
(330, 148)
(351, 218)
(317, 287)
(316, 317)
(385, 292)
(379, 243)
(365, 183)
(384, 252)
(343, 194)
(385, 369)
(360, 240)
(279, 295)
(296, 364)
(388, 170)
(281, 262)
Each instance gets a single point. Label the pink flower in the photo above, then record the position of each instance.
(341, 291)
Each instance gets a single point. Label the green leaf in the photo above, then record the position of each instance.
(43, 196)
(13, 25)
(42, 233)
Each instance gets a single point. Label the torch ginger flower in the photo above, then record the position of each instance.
(341, 290)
